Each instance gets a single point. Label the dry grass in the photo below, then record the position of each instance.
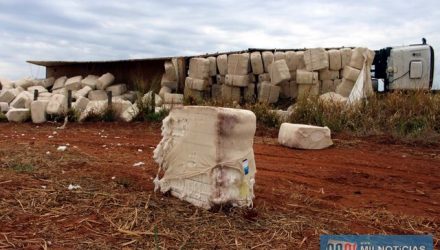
(37, 210)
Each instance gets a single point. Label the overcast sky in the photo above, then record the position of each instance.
(107, 30)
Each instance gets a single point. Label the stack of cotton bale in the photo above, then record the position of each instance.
(198, 80)
(330, 77)
(315, 60)
(169, 80)
(239, 79)
(354, 61)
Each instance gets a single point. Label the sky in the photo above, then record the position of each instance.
(111, 30)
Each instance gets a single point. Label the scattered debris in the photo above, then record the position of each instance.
(138, 164)
(73, 187)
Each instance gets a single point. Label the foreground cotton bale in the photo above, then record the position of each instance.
(97, 95)
(268, 93)
(119, 106)
(207, 157)
(23, 100)
(257, 63)
(8, 95)
(306, 77)
(93, 108)
(57, 105)
(230, 94)
(38, 111)
(117, 89)
(104, 81)
(4, 107)
(199, 68)
(196, 84)
(59, 83)
(91, 81)
(222, 64)
(268, 58)
(18, 115)
(130, 113)
(80, 104)
(279, 72)
(316, 59)
(333, 98)
(304, 136)
(239, 64)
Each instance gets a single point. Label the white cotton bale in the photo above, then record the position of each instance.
(40, 89)
(316, 59)
(279, 72)
(130, 113)
(57, 105)
(306, 77)
(238, 64)
(172, 98)
(90, 80)
(47, 83)
(131, 96)
(268, 58)
(301, 62)
(104, 81)
(59, 83)
(23, 100)
(147, 99)
(345, 87)
(237, 80)
(8, 95)
(212, 66)
(117, 89)
(268, 93)
(164, 90)
(82, 92)
(197, 139)
(199, 68)
(93, 107)
(351, 73)
(230, 94)
(4, 107)
(279, 55)
(222, 64)
(80, 104)
(25, 83)
(18, 115)
(257, 63)
(334, 59)
(345, 56)
(359, 55)
(332, 98)
(73, 83)
(170, 71)
(326, 74)
(6, 83)
(196, 84)
(38, 111)
(97, 95)
(304, 136)
(293, 60)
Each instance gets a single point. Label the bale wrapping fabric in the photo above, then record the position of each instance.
(268, 93)
(206, 155)
(345, 87)
(222, 64)
(306, 77)
(212, 66)
(345, 57)
(316, 59)
(196, 84)
(237, 80)
(268, 58)
(279, 72)
(257, 63)
(199, 68)
(304, 136)
(334, 59)
(239, 64)
(351, 74)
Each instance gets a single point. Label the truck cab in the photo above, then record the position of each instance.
(405, 67)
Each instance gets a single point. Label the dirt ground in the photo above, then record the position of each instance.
(359, 185)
